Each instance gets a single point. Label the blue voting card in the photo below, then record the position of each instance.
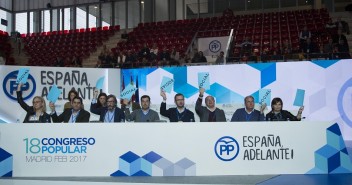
(299, 98)
(54, 94)
(22, 75)
(128, 92)
(264, 96)
(203, 80)
(100, 83)
(167, 84)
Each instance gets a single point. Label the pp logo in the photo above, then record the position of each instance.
(343, 101)
(9, 86)
(215, 46)
(226, 148)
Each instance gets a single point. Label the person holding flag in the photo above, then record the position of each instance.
(37, 112)
(179, 113)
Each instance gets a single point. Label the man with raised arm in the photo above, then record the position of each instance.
(209, 113)
(179, 113)
(74, 115)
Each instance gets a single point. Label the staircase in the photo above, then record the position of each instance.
(91, 61)
(18, 53)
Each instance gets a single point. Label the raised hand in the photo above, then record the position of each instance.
(162, 94)
(52, 106)
(201, 91)
(19, 86)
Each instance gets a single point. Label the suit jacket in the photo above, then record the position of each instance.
(83, 116)
(174, 116)
(118, 116)
(203, 112)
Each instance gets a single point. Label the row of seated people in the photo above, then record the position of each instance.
(147, 57)
(76, 61)
(336, 46)
(109, 112)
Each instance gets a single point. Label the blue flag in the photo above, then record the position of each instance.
(22, 75)
(299, 98)
(54, 94)
(167, 84)
(128, 92)
(203, 80)
(264, 96)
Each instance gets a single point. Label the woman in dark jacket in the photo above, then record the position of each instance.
(277, 114)
(37, 112)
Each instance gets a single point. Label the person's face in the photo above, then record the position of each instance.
(37, 103)
(72, 95)
(145, 103)
(210, 102)
(180, 101)
(76, 104)
(102, 100)
(277, 106)
(111, 103)
(249, 103)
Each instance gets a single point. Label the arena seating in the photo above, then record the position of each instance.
(43, 48)
(263, 29)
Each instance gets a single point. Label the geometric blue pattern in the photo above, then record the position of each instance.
(332, 157)
(223, 94)
(6, 163)
(180, 81)
(141, 74)
(324, 63)
(267, 72)
(152, 164)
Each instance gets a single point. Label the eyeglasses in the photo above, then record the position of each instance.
(111, 101)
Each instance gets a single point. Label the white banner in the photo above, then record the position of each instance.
(212, 45)
(161, 149)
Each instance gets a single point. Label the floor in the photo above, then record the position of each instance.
(336, 179)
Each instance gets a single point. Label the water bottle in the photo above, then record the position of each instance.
(17, 120)
(122, 120)
(288, 119)
(268, 119)
(191, 120)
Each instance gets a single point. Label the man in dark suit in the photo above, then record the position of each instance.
(75, 115)
(179, 113)
(111, 113)
(210, 113)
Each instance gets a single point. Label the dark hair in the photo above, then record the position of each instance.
(275, 101)
(73, 90)
(248, 97)
(112, 96)
(98, 102)
(77, 97)
(145, 96)
(178, 94)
